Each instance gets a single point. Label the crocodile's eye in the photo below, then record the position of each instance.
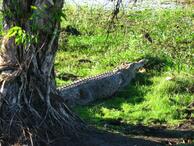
(81, 93)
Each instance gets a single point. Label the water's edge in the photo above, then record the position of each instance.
(126, 4)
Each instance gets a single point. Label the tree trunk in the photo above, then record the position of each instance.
(28, 111)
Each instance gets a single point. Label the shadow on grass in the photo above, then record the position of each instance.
(158, 64)
(157, 131)
(94, 137)
(162, 135)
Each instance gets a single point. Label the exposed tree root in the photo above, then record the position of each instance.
(35, 125)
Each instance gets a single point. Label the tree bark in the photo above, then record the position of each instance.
(28, 111)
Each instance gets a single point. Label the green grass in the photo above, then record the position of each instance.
(151, 99)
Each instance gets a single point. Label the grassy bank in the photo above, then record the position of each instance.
(161, 95)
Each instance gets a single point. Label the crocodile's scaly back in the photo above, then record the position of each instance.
(89, 89)
(84, 80)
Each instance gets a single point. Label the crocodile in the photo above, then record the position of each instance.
(87, 90)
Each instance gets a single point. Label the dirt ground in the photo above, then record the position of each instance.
(135, 136)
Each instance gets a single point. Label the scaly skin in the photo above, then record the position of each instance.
(86, 90)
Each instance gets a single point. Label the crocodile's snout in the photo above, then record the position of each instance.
(143, 61)
(139, 64)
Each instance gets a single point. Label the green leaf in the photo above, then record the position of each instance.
(34, 8)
